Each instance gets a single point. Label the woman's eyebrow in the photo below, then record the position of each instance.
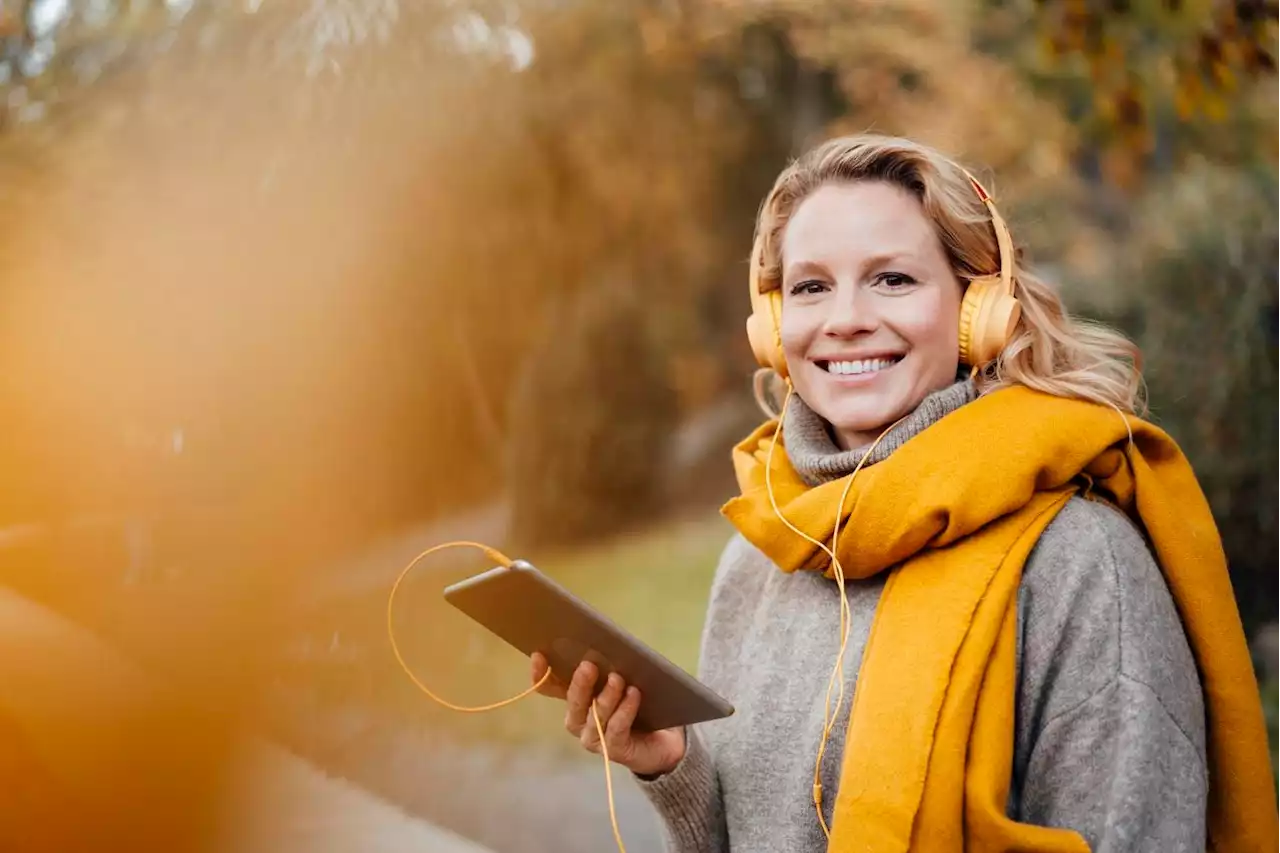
(799, 268)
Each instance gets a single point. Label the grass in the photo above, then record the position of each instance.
(654, 584)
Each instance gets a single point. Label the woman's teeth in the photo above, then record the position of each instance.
(867, 365)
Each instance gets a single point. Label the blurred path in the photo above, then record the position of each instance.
(512, 798)
(286, 804)
(72, 707)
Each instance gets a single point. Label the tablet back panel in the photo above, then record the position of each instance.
(531, 612)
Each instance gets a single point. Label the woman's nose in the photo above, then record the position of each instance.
(851, 312)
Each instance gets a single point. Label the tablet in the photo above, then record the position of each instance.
(533, 613)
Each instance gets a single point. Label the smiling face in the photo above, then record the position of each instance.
(870, 307)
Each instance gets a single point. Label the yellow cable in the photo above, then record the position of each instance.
(504, 561)
(493, 554)
(608, 778)
(830, 715)
(836, 681)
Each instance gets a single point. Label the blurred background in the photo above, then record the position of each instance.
(293, 289)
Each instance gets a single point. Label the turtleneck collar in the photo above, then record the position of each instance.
(818, 459)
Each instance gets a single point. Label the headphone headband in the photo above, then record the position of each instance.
(1004, 241)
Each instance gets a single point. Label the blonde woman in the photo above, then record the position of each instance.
(975, 602)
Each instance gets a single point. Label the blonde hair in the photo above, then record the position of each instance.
(1050, 350)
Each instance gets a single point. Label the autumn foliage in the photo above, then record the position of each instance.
(346, 247)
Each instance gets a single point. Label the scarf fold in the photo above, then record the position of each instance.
(953, 513)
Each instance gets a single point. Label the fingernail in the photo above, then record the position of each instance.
(615, 680)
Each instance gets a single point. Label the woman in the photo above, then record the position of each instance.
(1014, 670)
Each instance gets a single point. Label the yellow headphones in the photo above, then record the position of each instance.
(989, 311)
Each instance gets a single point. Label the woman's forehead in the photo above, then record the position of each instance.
(858, 220)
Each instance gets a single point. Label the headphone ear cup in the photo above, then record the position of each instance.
(764, 332)
(759, 337)
(988, 319)
(998, 327)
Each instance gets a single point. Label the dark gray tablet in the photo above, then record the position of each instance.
(533, 613)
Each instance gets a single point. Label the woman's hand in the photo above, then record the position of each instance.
(643, 753)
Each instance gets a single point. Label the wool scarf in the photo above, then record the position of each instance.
(952, 515)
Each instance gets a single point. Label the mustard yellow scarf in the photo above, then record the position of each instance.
(953, 515)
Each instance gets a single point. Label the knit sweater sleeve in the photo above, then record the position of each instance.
(688, 801)
(1110, 732)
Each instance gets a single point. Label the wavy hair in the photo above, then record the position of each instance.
(1049, 351)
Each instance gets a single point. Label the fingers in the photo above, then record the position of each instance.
(606, 703)
(553, 686)
(618, 730)
(578, 697)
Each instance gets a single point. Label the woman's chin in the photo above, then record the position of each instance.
(861, 428)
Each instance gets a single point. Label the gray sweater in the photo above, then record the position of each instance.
(1109, 721)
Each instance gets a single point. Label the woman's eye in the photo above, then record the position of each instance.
(811, 286)
(894, 280)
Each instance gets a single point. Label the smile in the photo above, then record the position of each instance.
(861, 367)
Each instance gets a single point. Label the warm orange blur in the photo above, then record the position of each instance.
(200, 373)
(292, 290)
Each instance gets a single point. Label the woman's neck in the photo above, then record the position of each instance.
(817, 457)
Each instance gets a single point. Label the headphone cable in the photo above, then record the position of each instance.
(502, 560)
